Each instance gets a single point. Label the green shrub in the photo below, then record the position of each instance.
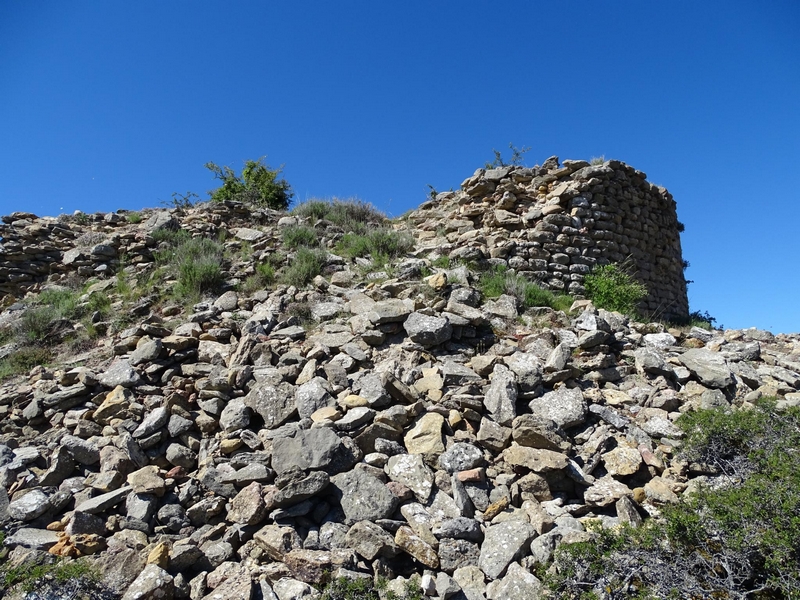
(307, 264)
(264, 277)
(443, 262)
(22, 360)
(379, 244)
(611, 288)
(198, 263)
(134, 218)
(499, 281)
(738, 538)
(258, 184)
(353, 216)
(173, 237)
(299, 235)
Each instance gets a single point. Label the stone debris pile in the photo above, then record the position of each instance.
(402, 429)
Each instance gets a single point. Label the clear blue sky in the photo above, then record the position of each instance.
(111, 104)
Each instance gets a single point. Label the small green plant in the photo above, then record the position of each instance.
(22, 360)
(516, 157)
(171, 237)
(134, 217)
(352, 216)
(597, 160)
(307, 264)
(611, 288)
(443, 262)
(379, 244)
(258, 185)
(199, 268)
(295, 236)
(499, 281)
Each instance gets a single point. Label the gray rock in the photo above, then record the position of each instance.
(518, 584)
(502, 544)
(457, 374)
(181, 456)
(411, 471)
(650, 360)
(120, 372)
(363, 497)
(310, 449)
(155, 420)
(287, 588)
(83, 451)
(709, 367)
(298, 491)
(565, 406)
(141, 506)
(33, 504)
(235, 415)
(248, 507)
(459, 528)
(501, 397)
(537, 431)
(460, 457)
(153, 583)
(312, 396)
(147, 350)
(371, 541)
(36, 539)
(558, 357)
(528, 369)
(389, 311)
(105, 501)
(456, 554)
(426, 330)
(274, 404)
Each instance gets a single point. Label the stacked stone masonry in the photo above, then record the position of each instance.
(555, 222)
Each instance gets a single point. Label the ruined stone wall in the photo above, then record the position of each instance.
(555, 222)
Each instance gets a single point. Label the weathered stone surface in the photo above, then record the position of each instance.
(248, 507)
(709, 367)
(278, 541)
(274, 404)
(411, 543)
(502, 544)
(518, 584)
(426, 436)
(153, 583)
(312, 449)
(33, 504)
(411, 471)
(363, 497)
(461, 457)
(565, 406)
(371, 541)
(537, 460)
(426, 330)
(501, 397)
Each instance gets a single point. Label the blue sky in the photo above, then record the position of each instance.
(110, 104)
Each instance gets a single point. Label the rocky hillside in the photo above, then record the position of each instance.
(221, 401)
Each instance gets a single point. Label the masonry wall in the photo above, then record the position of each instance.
(555, 222)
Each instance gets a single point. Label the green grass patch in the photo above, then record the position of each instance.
(296, 236)
(499, 281)
(611, 288)
(380, 245)
(307, 264)
(21, 361)
(134, 218)
(353, 216)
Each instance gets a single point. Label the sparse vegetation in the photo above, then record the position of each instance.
(352, 216)
(611, 288)
(499, 281)
(737, 537)
(597, 160)
(134, 217)
(258, 185)
(299, 235)
(66, 576)
(196, 264)
(516, 158)
(379, 244)
(307, 264)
